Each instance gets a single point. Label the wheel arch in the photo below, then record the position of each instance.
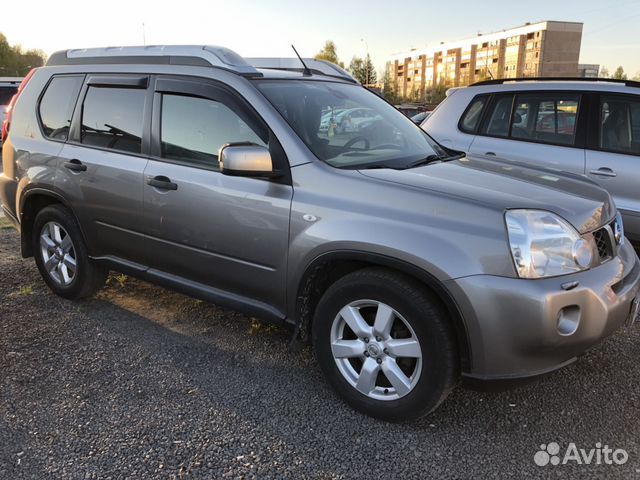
(325, 269)
(34, 200)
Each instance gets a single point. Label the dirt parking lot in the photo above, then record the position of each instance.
(140, 382)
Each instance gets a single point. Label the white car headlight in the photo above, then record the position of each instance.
(544, 245)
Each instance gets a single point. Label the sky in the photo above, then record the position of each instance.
(268, 28)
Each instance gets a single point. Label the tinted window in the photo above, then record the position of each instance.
(543, 118)
(6, 94)
(113, 117)
(471, 117)
(498, 124)
(56, 106)
(194, 129)
(620, 124)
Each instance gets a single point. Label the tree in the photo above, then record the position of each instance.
(15, 62)
(388, 89)
(329, 53)
(637, 77)
(363, 70)
(619, 74)
(604, 72)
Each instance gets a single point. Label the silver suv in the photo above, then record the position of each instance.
(585, 126)
(407, 265)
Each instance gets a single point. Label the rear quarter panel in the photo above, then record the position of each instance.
(27, 157)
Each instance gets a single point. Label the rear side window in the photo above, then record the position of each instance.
(471, 117)
(620, 124)
(56, 106)
(546, 118)
(113, 118)
(537, 117)
(194, 129)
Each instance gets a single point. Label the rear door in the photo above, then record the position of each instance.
(538, 128)
(102, 165)
(226, 232)
(613, 156)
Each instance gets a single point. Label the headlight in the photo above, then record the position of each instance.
(544, 245)
(619, 230)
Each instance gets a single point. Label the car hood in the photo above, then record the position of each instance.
(509, 185)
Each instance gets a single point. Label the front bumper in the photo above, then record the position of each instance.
(520, 328)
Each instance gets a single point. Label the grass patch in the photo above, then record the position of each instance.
(5, 223)
(119, 279)
(258, 327)
(24, 291)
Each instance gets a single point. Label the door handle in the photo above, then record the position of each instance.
(75, 165)
(493, 154)
(603, 172)
(162, 182)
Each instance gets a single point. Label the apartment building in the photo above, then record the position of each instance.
(544, 49)
(588, 70)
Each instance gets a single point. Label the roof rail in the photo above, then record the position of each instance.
(11, 79)
(194, 55)
(292, 64)
(499, 81)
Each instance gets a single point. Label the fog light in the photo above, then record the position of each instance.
(568, 320)
(582, 253)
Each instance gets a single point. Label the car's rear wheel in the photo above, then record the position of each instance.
(385, 344)
(61, 255)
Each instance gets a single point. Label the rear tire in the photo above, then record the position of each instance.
(61, 255)
(385, 343)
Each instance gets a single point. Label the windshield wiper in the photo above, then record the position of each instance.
(432, 159)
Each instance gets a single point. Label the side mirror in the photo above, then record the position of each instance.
(246, 160)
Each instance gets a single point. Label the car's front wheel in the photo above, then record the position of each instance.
(61, 255)
(385, 344)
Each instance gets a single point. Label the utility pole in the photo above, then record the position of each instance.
(144, 35)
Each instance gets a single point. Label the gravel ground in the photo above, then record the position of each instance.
(140, 382)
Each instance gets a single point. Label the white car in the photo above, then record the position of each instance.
(589, 127)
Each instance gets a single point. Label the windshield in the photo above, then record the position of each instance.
(347, 126)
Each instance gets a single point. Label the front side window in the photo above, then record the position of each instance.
(56, 106)
(620, 124)
(347, 126)
(113, 118)
(194, 129)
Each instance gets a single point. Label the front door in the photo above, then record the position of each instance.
(226, 232)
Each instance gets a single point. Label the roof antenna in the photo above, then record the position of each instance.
(306, 69)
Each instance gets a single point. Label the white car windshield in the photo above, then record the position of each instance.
(348, 126)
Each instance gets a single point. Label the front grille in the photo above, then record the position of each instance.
(603, 244)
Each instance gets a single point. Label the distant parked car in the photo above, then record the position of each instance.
(420, 117)
(590, 127)
(411, 109)
(8, 88)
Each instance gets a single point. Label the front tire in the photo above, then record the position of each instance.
(385, 344)
(61, 255)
